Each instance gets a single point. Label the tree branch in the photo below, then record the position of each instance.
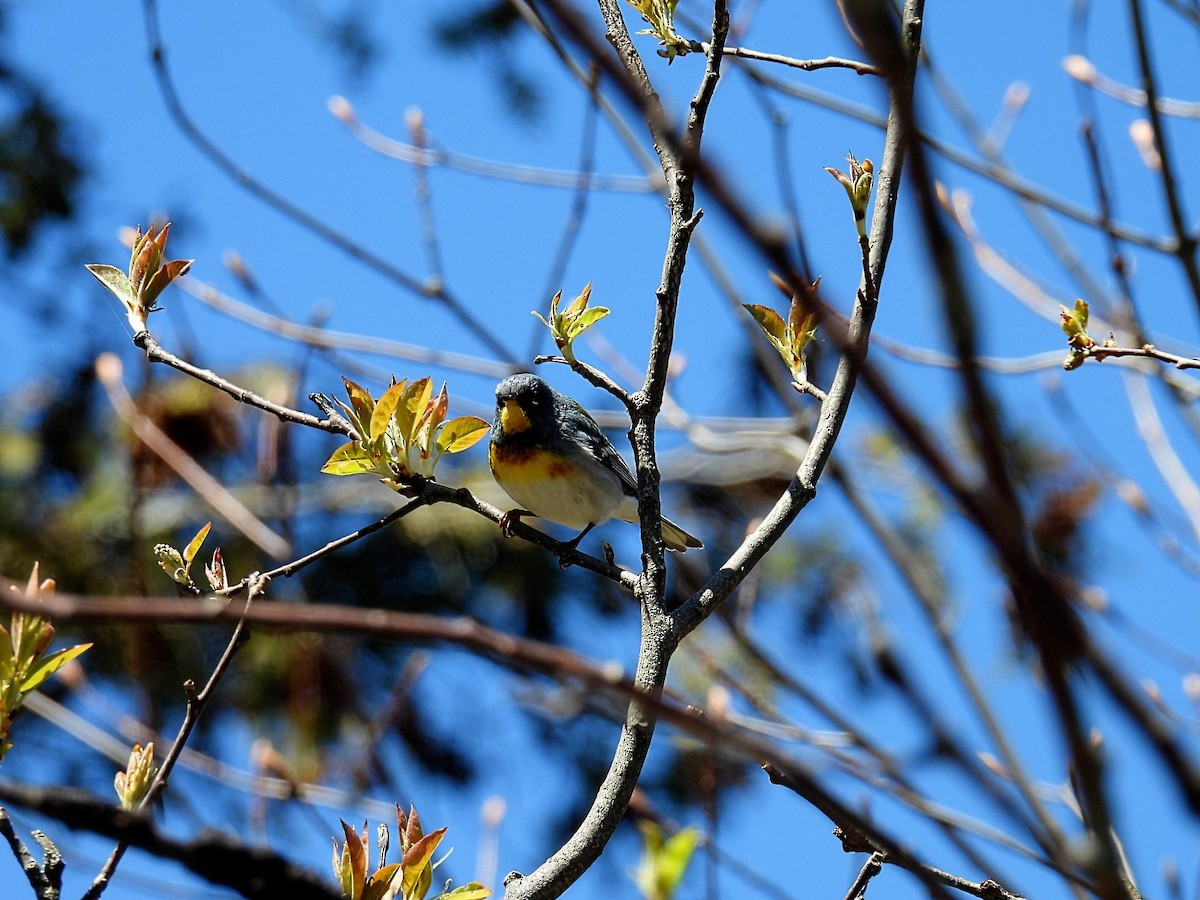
(853, 347)
(217, 858)
(196, 704)
(434, 291)
(45, 879)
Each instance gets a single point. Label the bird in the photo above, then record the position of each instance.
(551, 457)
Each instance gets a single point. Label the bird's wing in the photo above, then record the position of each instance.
(590, 436)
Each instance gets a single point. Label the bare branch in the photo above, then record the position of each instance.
(1185, 241)
(994, 172)
(332, 340)
(108, 372)
(196, 704)
(853, 346)
(219, 859)
(156, 353)
(870, 869)
(286, 207)
(435, 157)
(45, 879)
(808, 65)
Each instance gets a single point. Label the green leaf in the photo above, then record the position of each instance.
(351, 416)
(362, 403)
(459, 434)
(674, 857)
(358, 860)
(116, 281)
(411, 411)
(388, 400)
(1081, 313)
(50, 665)
(190, 551)
(588, 318)
(579, 304)
(163, 277)
(431, 423)
(416, 862)
(441, 405)
(342, 869)
(379, 886)
(349, 459)
(410, 826)
(172, 563)
(768, 320)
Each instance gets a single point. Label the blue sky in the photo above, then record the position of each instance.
(257, 83)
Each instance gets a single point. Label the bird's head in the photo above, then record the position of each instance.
(521, 401)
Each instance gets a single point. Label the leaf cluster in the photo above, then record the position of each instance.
(23, 663)
(147, 278)
(660, 16)
(857, 184)
(178, 565)
(573, 321)
(409, 879)
(403, 434)
(133, 784)
(789, 337)
(1074, 325)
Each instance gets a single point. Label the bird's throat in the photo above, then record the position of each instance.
(513, 419)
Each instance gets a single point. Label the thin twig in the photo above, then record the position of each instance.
(679, 157)
(207, 767)
(291, 568)
(891, 777)
(324, 338)
(208, 488)
(1049, 837)
(853, 346)
(156, 353)
(45, 879)
(1043, 606)
(997, 174)
(1185, 242)
(195, 706)
(252, 871)
(281, 204)
(1046, 227)
(508, 650)
(591, 374)
(808, 65)
(435, 157)
(572, 227)
(869, 870)
(1084, 71)
(424, 191)
(429, 490)
(1101, 352)
(1172, 469)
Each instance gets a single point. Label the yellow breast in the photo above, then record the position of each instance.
(553, 487)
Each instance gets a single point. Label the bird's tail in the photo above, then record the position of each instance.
(677, 539)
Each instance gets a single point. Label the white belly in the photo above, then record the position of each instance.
(574, 502)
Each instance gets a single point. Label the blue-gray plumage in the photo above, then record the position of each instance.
(551, 457)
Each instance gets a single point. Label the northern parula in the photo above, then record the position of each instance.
(551, 457)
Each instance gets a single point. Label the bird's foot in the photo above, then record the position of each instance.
(567, 548)
(510, 520)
